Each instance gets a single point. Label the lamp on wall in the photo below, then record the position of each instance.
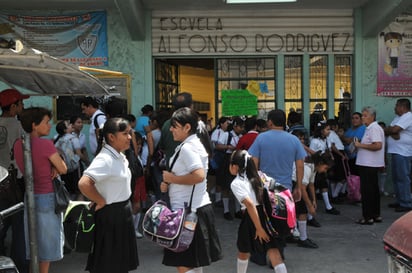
(257, 1)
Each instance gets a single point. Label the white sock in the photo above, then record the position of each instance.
(337, 189)
(242, 265)
(195, 270)
(237, 206)
(310, 217)
(325, 197)
(136, 220)
(218, 196)
(332, 187)
(280, 268)
(302, 230)
(225, 204)
(344, 186)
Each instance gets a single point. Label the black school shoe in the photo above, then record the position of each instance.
(228, 216)
(313, 222)
(239, 214)
(308, 243)
(332, 211)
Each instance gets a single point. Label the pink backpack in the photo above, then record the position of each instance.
(279, 206)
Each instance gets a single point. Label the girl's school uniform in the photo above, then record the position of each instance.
(246, 242)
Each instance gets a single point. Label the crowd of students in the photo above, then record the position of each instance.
(130, 156)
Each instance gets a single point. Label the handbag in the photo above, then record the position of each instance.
(172, 229)
(353, 181)
(61, 195)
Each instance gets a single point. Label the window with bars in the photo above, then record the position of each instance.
(318, 84)
(343, 90)
(293, 83)
(237, 73)
(234, 74)
(166, 84)
(318, 79)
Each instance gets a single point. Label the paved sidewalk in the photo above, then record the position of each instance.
(344, 247)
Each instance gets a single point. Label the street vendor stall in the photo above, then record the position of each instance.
(42, 74)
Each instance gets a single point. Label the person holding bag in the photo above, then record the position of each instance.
(190, 169)
(47, 165)
(106, 182)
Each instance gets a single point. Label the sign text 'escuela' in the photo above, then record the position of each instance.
(203, 35)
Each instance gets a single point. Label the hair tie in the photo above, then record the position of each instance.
(247, 157)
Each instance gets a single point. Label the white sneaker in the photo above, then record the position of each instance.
(138, 234)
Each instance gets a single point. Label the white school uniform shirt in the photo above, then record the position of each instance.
(333, 138)
(92, 133)
(309, 173)
(219, 136)
(111, 174)
(192, 156)
(242, 188)
(368, 158)
(234, 141)
(318, 144)
(82, 139)
(402, 146)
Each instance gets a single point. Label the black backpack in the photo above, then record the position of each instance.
(135, 165)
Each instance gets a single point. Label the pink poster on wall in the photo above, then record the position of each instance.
(395, 58)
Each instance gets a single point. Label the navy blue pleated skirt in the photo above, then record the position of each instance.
(115, 248)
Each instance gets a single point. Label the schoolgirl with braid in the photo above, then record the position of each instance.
(253, 234)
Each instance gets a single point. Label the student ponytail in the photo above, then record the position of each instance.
(100, 143)
(60, 129)
(247, 168)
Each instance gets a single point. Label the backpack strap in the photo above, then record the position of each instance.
(95, 122)
(229, 139)
(175, 158)
(170, 169)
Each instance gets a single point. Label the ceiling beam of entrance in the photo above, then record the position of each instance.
(378, 14)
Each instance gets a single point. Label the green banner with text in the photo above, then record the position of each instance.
(238, 103)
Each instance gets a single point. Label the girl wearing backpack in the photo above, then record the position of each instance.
(253, 234)
(68, 146)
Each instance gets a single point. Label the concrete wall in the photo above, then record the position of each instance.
(383, 105)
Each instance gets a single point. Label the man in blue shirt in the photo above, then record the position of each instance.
(274, 153)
